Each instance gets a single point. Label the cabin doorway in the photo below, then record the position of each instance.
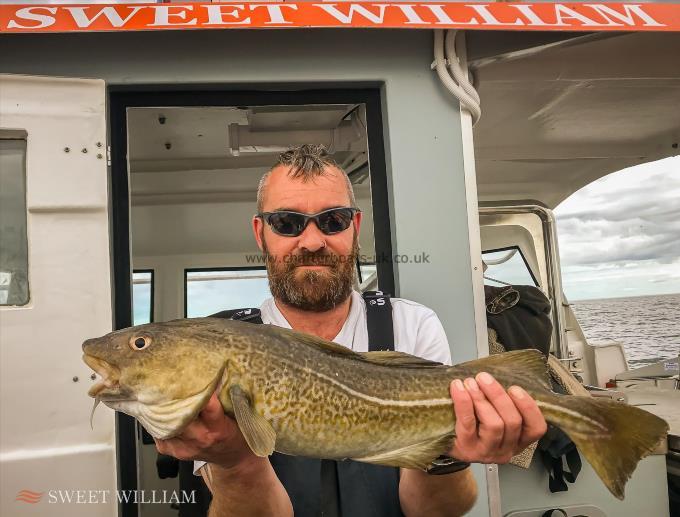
(185, 166)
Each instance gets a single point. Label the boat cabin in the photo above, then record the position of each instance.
(129, 163)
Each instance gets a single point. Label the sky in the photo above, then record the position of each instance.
(620, 235)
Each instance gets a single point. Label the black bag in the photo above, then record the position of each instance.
(520, 315)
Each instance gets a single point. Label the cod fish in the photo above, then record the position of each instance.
(300, 395)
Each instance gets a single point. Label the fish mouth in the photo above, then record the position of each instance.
(109, 385)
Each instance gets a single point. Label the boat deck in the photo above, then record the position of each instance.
(664, 403)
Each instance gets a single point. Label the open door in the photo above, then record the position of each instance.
(55, 291)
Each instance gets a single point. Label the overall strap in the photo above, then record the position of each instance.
(379, 321)
(365, 490)
(251, 315)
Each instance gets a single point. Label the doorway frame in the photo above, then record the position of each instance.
(122, 97)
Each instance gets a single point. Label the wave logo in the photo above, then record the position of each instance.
(28, 496)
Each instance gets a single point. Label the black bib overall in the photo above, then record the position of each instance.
(316, 487)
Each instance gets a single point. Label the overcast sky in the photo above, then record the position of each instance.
(620, 236)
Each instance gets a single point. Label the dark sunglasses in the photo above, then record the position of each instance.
(292, 224)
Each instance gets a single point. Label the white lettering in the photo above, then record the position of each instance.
(123, 496)
(410, 14)
(443, 18)
(189, 500)
(626, 17)
(163, 14)
(80, 16)
(216, 15)
(275, 14)
(52, 496)
(66, 496)
(531, 16)
(562, 12)
(490, 19)
(359, 9)
(30, 13)
(80, 496)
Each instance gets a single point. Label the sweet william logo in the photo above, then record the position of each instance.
(71, 496)
(28, 496)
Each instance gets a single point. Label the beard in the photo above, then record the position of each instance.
(312, 290)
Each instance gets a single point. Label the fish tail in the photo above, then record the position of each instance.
(612, 436)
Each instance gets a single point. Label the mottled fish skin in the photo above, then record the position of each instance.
(323, 400)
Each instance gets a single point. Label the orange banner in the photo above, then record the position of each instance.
(417, 15)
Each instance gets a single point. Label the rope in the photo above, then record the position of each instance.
(452, 75)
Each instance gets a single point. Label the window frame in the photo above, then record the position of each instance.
(21, 135)
(519, 250)
(152, 293)
(212, 269)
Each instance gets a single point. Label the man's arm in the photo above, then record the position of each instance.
(424, 494)
(492, 425)
(249, 488)
(241, 483)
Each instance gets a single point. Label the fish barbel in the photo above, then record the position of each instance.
(301, 395)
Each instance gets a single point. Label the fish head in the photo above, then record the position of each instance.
(160, 373)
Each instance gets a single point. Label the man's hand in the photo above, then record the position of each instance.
(241, 483)
(493, 425)
(212, 437)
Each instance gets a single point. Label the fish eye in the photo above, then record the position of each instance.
(139, 342)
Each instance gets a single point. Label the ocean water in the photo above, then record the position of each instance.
(648, 326)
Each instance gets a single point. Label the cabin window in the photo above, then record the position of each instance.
(368, 276)
(142, 296)
(508, 266)
(208, 291)
(13, 222)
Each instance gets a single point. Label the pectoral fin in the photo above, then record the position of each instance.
(257, 431)
(415, 456)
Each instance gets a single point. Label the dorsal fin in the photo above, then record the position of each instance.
(530, 364)
(392, 358)
(383, 358)
(328, 346)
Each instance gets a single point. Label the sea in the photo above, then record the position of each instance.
(648, 326)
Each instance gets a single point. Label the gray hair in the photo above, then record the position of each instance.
(306, 162)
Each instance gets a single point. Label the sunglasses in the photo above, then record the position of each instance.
(292, 224)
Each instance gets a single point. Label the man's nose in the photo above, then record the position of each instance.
(312, 239)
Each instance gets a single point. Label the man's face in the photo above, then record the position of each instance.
(312, 271)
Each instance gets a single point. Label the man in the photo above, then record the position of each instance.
(311, 268)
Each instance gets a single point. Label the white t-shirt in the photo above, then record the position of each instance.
(417, 330)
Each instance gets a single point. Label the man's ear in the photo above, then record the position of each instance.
(258, 226)
(357, 222)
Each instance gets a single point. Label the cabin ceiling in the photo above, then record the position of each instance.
(558, 112)
(557, 119)
(194, 172)
(212, 154)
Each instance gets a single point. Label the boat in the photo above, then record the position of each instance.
(132, 139)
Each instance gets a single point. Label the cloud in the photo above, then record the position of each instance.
(625, 227)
